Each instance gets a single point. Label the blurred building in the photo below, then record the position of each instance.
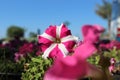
(115, 23)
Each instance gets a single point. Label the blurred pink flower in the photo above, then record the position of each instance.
(38, 51)
(111, 45)
(112, 65)
(106, 46)
(24, 50)
(56, 41)
(116, 44)
(18, 56)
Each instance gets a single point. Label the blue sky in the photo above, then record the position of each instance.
(34, 14)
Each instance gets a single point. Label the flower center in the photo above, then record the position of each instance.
(58, 40)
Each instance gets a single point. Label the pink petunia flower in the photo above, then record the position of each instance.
(24, 51)
(26, 48)
(75, 67)
(57, 41)
(112, 44)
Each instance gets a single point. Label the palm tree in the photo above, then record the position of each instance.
(105, 11)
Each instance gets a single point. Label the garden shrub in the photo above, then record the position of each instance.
(15, 31)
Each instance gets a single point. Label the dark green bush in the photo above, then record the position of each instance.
(7, 66)
(15, 31)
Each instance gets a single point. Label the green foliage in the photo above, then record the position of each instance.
(103, 59)
(32, 37)
(15, 31)
(94, 59)
(35, 69)
(114, 53)
(7, 66)
(6, 53)
(32, 34)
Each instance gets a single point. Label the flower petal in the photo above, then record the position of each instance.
(56, 53)
(64, 31)
(69, 38)
(58, 31)
(44, 43)
(51, 31)
(69, 45)
(48, 50)
(63, 49)
(47, 36)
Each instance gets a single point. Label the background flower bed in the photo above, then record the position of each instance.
(14, 53)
